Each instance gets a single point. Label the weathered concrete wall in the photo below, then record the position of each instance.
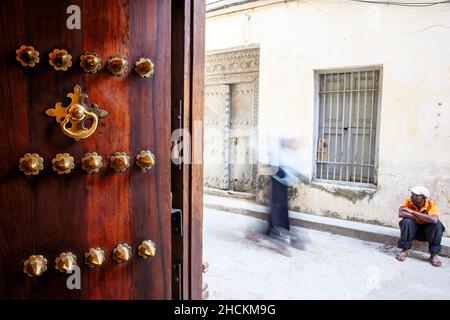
(411, 44)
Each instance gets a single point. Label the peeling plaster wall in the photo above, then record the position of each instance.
(411, 45)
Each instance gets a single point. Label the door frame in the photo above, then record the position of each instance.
(188, 55)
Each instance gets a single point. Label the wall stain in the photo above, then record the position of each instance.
(352, 195)
(331, 214)
(325, 213)
(336, 215)
(293, 193)
(370, 221)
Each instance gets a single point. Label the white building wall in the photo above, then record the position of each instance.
(413, 47)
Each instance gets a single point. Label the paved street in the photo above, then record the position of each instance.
(330, 266)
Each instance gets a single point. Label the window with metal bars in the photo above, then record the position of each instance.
(347, 125)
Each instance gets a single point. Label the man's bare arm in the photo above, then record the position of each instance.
(403, 213)
(424, 217)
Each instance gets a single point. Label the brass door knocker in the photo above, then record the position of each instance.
(73, 117)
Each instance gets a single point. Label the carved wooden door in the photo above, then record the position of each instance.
(242, 144)
(217, 131)
(72, 210)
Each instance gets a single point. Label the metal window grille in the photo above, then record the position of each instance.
(347, 121)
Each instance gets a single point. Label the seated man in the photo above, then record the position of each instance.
(420, 222)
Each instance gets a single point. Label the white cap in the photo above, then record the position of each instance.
(420, 190)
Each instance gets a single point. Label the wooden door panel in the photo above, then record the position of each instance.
(241, 125)
(217, 121)
(49, 213)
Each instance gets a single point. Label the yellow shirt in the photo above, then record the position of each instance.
(430, 208)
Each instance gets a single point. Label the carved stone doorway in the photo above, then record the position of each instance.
(231, 117)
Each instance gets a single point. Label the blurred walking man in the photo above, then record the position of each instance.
(285, 175)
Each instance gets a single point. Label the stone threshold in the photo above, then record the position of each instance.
(353, 229)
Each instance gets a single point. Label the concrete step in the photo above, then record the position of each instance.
(359, 230)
